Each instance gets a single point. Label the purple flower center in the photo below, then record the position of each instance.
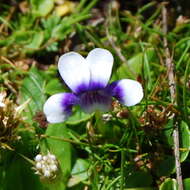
(92, 101)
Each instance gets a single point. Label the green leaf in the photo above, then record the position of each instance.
(168, 133)
(62, 150)
(79, 172)
(139, 179)
(36, 42)
(135, 64)
(186, 183)
(33, 88)
(78, 116)
(166, 166)
(61, 31)
(54, 86)
(42, 7)
(51, 22)
(185, 141)
(18, 37)
(19, 175)
(141, 188)
(169, 184)
(184, 138)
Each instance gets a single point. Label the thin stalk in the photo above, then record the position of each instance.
(96, 41)
(113, 182)
(64, 139)
(122, 169)
(81, 5)
(172, 87)
(89, 6)
(183, 55)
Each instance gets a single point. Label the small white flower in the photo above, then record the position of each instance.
(38, 165)
(88, 79)
(46, 165)
(44, 158)
(52, 156)
(47, 173)
(53, 167)
(38, 158)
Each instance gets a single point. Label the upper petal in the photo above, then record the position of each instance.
(100, 62)
(74, 71)
(128, 92)
(59, 106)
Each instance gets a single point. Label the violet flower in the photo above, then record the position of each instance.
(88, 79)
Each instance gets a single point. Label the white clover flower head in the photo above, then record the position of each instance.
(46, 166)
(88, 79)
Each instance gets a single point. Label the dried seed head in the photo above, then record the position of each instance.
(9, 120)
(41, 119)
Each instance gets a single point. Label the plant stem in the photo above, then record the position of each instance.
(172, 87)
(122, 169)
(113, 182)
(89, 6)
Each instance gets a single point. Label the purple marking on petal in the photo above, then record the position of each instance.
(82, 88)
(95, 100)
(115, 90)
(68, 101)
(96, 85)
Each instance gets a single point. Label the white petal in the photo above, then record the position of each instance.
(45, 158)
(74, 71)
(38, 165)
(52, 156)
(129, 92)
(47, 173)
(58, 107)
(100, 62)
(53, 167)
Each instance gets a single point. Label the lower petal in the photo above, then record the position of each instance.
(128, 92)
(95, 101)
(59, 106)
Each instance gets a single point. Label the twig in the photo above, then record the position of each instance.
(118, 52)
(114, 46)
(172, 87)
(117, 49)
(7, 19)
